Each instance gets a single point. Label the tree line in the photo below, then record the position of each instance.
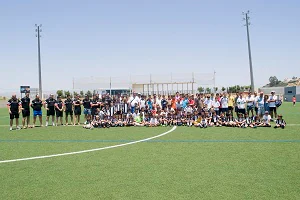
(231, 89)
(65, 93)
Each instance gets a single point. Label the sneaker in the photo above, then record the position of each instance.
(10, 128)
(53, 124)
(18, 128)
(33, 126)
(46, 123)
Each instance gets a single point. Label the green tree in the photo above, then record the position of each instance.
(215, 89)
(75, 94)
(208, 90)
(238, 88)
(223, 89)
(200, 89)
(273, 81)
(67, 93)
(89, 93)
(60, 93)
(81, 93)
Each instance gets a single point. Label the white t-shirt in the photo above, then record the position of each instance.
(267, 118)
(241, 103)
(208, 103)
(216, 105)
(250, 100)
(224, 102)
(272, 104)
(142, 103)
(260, 102)
(158, 101)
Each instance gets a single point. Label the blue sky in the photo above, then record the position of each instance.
(137, 37)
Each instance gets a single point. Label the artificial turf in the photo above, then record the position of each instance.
(188, 163)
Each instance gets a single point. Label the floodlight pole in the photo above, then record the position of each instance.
(249, 49)
(38, 30)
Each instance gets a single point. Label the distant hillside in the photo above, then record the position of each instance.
(274, 82)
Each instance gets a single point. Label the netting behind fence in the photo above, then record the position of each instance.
(147, 83)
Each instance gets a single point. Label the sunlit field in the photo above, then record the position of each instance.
(186, 163)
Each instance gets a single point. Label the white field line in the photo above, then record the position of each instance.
(89, 150)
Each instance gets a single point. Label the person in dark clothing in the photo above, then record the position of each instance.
(37, 105)
(14, 109)
(25, 102)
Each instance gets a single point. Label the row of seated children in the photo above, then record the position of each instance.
(202, 120)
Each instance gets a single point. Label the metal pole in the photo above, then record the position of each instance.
(38, 30)
(214, 81)
(110, 85)
(172, 84)
(193, 80)
(249, 50)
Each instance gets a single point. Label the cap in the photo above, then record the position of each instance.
(266, 112)
(272, 91)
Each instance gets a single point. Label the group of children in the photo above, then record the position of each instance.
(203, 119)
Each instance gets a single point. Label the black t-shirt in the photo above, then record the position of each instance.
(59, 104)
(37, 104)
(68, 104)
(50, 103)
(95, 101)
(77, 107)
(14, 105)
(164, 103)
(86, 103)
(25, 101)
(108, 100)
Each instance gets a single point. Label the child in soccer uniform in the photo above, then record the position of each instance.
(214, 120)
(280, 123)
(248, 121)
(223, 120)
(130, 120)
(154, 121)
(230, 120)
(190, 120)
(88, 124)
(266, 120)
(96, 122)
(240, 121)
(208, 118)
(203, 123)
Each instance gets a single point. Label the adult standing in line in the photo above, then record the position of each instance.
(50, 107)
(95, 104)
(241, 103)
(37, 105)
(25, 101)
(250, 104)
(255, 103)
(224, 103)
(231, 103)
(68, 107)
(77, 109)
(260, 102)
(272, 105)
(59, 106)
(14, 109)
(236, 109)
(86, 107)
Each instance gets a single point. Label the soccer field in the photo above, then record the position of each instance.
(180, 163)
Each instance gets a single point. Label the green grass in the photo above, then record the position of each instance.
(188, 163)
